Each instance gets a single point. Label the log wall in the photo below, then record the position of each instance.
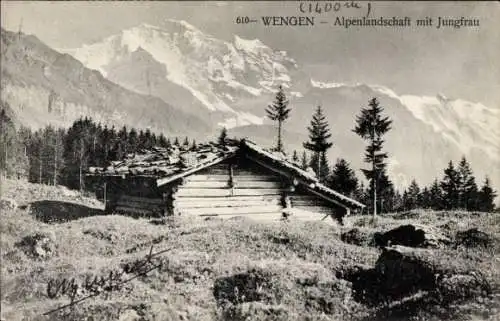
(244, 188)
(230, 189)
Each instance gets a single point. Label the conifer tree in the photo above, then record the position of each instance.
(279, 111)
(295, 157)
(436, 196)
(133, 140)
(343, 179)
(176, 142)
(193, 145)
(413, 196)
(468, 187)
(425, 198)
(222, 139)
(371, 126)
(450, 187)
(304, 160)
(318, 143)
(486, 197)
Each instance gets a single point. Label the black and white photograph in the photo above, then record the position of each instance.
(314, 160)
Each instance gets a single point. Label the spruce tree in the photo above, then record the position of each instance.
(413, 200)
(318, 143)
(343, 179)
(222, 139)
(371, 126)
(468, 187)
(486, 197)
(450, 187)
(279, 111)
(133, 140)
(425, 198)
(304, 161)
(436, 196)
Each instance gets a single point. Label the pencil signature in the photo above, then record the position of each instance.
(92, 286)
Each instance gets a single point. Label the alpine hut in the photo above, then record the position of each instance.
(238, 179)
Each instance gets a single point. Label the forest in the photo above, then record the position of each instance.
(62, 156)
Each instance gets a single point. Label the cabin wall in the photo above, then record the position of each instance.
(231, 188)
(243, 188)
(306, 206)
(135, 196)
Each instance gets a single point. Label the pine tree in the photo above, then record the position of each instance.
(222, 139)
(148, 139)
(436, 196)
(304, 160)
(319, 133)
(324, 168)
(425, 198)
(371, 126)
(450, 187)
(279, 111)
(468, 187)
(186, 142)
(486, 197)
(295, 157)
(413, 196)
(176, 142)
(133, 141)
(343, 179)
(193, 145)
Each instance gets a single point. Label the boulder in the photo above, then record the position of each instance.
(39, 245)
(410, 235)
(8, 204)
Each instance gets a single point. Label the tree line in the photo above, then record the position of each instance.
(58, 156)
(456, 190)
(62, 156)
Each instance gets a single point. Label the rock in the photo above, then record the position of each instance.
(8, 204)
(473, 238)
(410, 235)
(39, 245)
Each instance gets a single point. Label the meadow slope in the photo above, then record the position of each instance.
(230, 270)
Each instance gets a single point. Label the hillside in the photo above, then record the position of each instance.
(43, 86)
(236, 269)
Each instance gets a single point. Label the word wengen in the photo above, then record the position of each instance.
(92, 286)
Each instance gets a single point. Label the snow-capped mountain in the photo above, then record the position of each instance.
(179, 60)
(230, 82)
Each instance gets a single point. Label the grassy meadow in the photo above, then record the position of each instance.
(235, 269)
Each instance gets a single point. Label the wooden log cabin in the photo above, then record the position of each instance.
(238, 180)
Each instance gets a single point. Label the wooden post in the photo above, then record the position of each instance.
(105, 198)
(231, 179)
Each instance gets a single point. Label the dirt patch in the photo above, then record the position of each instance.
(250, 286)
(257, 311)
(357, 236)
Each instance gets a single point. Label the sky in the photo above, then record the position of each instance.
(458, 63)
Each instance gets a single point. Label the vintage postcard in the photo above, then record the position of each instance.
(250, 160)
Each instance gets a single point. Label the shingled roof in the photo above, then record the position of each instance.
(169, 164)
